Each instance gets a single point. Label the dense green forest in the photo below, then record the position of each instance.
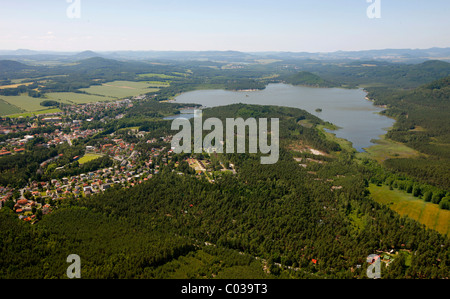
(266, 221)
(422, 116)
(308, 79)
(378, 73)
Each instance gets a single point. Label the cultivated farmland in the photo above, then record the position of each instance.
(405, 204)
(121, 89)
(24, 102)
(76, 98)
(7, 109)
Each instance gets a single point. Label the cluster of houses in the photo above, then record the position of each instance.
(17, 145)
(130, 166)
(5, 194)
(14, 128)
(89, 183)
(14, 145)
(125, 175)
(97, 109)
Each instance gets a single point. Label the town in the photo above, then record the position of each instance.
(125, 164)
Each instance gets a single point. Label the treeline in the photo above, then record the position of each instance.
(429, 170)
(16, 91)
(419, 187)
(244, 84)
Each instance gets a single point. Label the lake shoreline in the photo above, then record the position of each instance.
(357, 120)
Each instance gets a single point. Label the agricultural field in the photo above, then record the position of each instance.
(161, 76)
(27, 114)
(15, 85)
(405, 204)
(7, 109)
(121, 89)
(76, 98)
(107, 92)
(24, 102)
(157, 84)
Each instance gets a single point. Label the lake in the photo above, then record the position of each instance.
(357, 118)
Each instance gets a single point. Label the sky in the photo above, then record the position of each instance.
(239, 25)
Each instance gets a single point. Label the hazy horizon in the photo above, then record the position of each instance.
(212, 50)
(246, 26)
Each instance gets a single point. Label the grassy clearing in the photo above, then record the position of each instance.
(89, 157)
(404, 203)
(121, 89)
(388, 149)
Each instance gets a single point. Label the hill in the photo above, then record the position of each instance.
(307, 79)
(375, 73)
(86, 54)
(10, 66)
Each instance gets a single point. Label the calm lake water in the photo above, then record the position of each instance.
(346, 108)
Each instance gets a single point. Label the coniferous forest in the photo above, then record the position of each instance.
(263, 221)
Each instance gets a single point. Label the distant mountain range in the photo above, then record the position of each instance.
(391, 55)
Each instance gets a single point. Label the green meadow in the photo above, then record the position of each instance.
(24, 102)
(121, 89)
(8, 109)
(76, 98)
(405, 204)
(387, 149)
